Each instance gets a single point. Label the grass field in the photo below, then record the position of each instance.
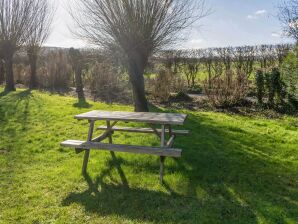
(234, 169)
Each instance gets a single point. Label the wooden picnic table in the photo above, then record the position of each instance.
(165, 120)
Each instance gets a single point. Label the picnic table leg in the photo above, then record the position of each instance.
(170, 131)
(110, 136)
(87, 151)
(162, 158)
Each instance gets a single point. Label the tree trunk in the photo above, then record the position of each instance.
(9, 74)
(136, 74)
(138, 87)
(79, 83)
(33, 78)
(32, 53)
(2, 72)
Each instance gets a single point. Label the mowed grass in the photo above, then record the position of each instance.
(234, 169)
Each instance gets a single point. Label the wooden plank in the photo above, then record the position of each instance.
(123, 148)
(78, 151)
(162, 158)
(171, 142)
(109, 127)
(87, 151)
(144, 130)
(101, 137)
(109, 130)
(171, 131)
(162, 136)
(158, 134)
(144, 117)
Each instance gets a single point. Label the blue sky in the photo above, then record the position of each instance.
(231, 23)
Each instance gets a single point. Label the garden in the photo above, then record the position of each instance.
(238, 164)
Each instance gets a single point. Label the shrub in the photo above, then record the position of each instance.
(290, 76)
(227, 90)
(102, 80)
(275, 88)
(56, 72)
(178, 83)
(181, 97)
(260, 86)
(270, 89)
(278, 85)
(196, 89)
(161, 85)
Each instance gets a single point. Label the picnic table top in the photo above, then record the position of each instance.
(144, 117)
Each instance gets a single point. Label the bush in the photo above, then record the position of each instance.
(102, 79)
(196, 89)
(161, 85)
(270, 89)
(181, 97)
(290, 76)
(55, 72)
(275, 88)
(260, 86)
(227, 90)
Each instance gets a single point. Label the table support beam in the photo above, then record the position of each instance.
(162, 158)
(155, 131)
(109, 128)
(87, 151)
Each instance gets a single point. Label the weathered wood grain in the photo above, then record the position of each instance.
(162, 158)
(144, 130)
(171, 142)
(87, 151)
(144, 117)
(158, 151)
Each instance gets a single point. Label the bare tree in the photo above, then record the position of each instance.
(282, 51)
(40, 32)
(208, 60)
(137, 29)
(16, 23)
(76, 59)
(288, 16)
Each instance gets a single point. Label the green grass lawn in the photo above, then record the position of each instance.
(234, 169)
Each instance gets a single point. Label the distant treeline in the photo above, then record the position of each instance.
(54, 67)
(244, 58)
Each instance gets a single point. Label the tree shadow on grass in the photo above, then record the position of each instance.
(241, 161)
(82, 103)
(12, 106)
(138, 204)
(227, 177)
(4, 93)
(17, 106)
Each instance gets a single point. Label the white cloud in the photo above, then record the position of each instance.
(193, 43)
(251, 17)
(276, 34)
(257, 14)
(261, 12)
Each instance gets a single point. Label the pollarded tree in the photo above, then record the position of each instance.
(40, 32)
(137, 29)
(76, 60)
(16, 25)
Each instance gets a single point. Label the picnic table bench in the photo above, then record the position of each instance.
(166, 120)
